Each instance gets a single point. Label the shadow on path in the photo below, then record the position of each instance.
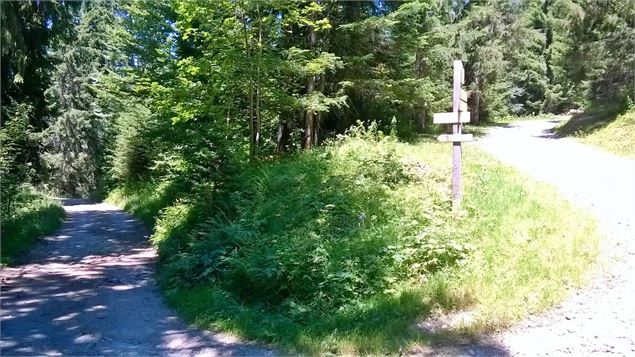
(89, 290)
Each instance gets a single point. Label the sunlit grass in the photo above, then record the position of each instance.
(532, 245)
(144, 200)
(35, 217)
(530, 248)
(617, 137)
(603, 128)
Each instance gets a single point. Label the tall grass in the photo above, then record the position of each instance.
(617, 136)
(604, 128)
(145, 200)
(531, 246)
(343, 249)
(33, 217)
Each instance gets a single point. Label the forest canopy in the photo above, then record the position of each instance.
(99, 94)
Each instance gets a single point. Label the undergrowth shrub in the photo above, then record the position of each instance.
(131, 158)
(316, 231)
(33, 215)
(334, 251)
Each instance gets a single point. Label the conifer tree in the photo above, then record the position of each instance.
(75, 141)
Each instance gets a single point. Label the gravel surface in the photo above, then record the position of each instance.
(600, 318)
(89, 291)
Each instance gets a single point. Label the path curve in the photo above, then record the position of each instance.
(89, 290)
(599, 319)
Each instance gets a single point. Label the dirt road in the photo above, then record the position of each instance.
(599, 319)
(89, 291)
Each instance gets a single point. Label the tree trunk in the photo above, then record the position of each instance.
(258, 123)
(421, 120)
(420, 115)
(477, 101)
(309, 134)
(318, 119)
(310, 120)
(283, 137)
(252, 134)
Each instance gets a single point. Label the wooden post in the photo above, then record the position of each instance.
(456, 129)
(457, 117)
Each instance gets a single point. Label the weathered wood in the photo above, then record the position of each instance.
(457, 153)
(455, 138)
(457, 117)
(459, 78)
(456, 92)
(463, 96)
(451, 118)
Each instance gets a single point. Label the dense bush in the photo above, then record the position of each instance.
(319, 229)
(132, 148)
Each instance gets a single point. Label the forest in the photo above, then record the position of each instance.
(262, 140)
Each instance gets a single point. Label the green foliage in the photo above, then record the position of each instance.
(31, 216)
(350, 239)
(15, 138)
(146, 200)
(596, 55)
(195, 115)
(79, 130)
(529, 80)
(133, 89)
(133, 146)
(341, 249)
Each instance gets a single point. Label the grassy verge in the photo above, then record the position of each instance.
(34, 217)
(146, 200)
(341, 250)
(532, 246)
(607, 131)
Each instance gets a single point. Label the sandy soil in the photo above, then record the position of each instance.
(598, 319)
(89, 290)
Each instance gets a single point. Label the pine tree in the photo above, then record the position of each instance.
(75, 141)
(528, 67)
(28, 30)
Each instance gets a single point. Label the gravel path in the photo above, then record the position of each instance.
(89, 291)
(599, 319)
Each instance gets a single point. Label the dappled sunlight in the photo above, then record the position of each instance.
(67, 317)
(97, 298)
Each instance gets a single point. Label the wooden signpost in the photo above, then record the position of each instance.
(457, 117)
